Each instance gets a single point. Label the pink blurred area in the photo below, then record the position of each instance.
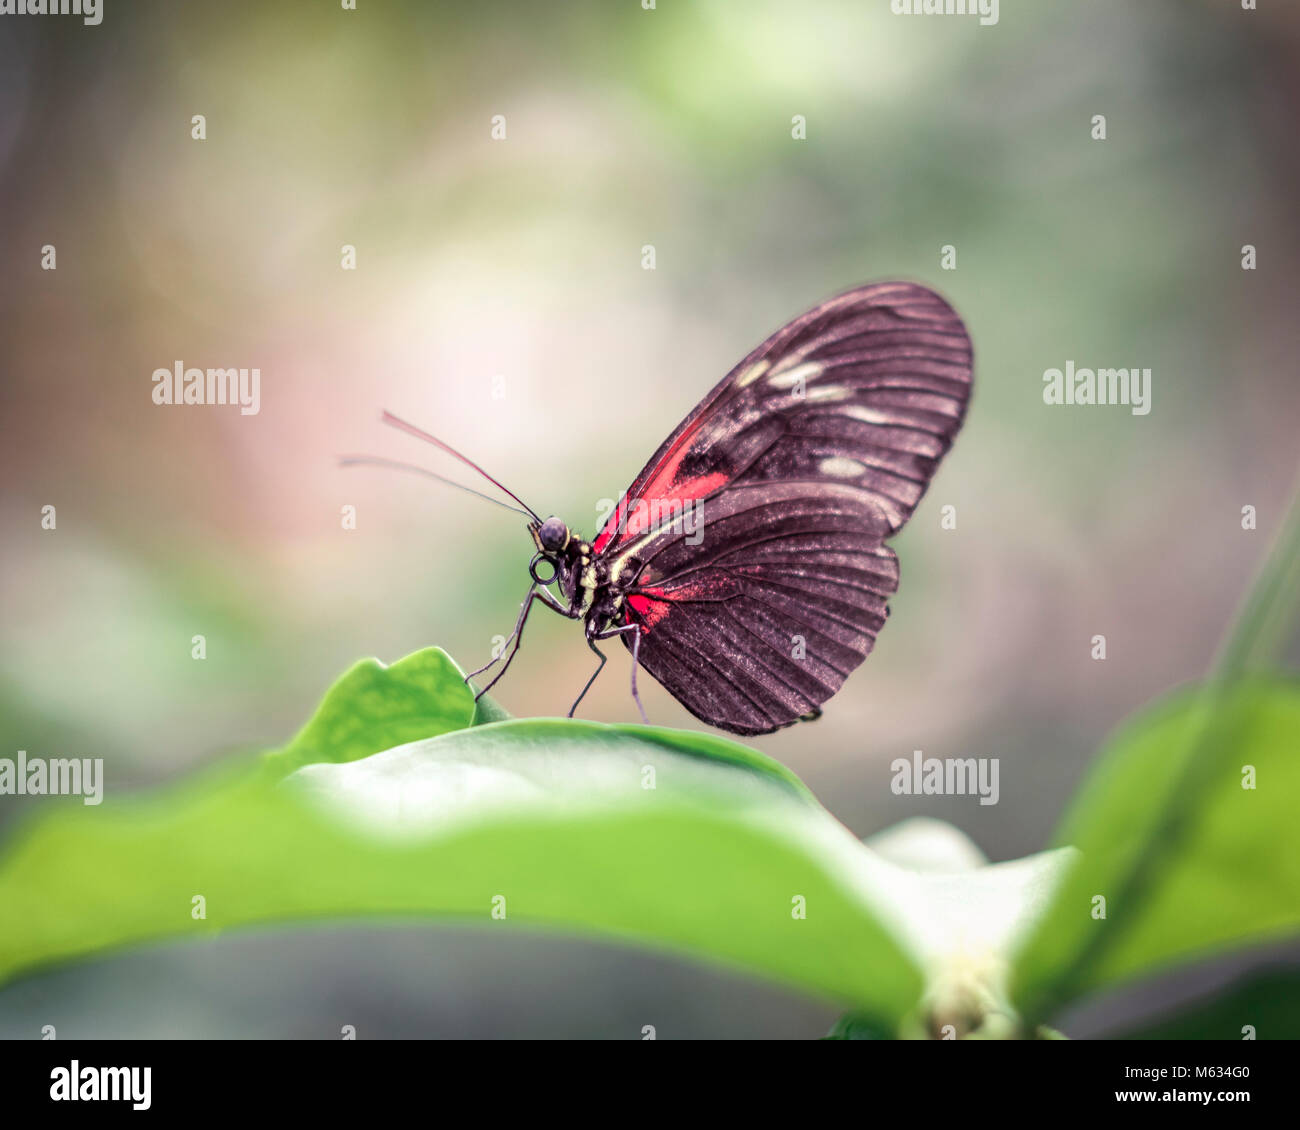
(499, 300)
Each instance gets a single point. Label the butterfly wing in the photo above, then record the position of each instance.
(751, 547)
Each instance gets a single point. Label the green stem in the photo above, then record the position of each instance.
(1259, 629)
(1255, 637)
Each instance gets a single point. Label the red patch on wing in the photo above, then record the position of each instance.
(653, 604)
(650, 610)
(660, 491)
(651, 510)
(661, 483)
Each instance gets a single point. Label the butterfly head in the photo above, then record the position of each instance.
(574, 565)
(551, 536)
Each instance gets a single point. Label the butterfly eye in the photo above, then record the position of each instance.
(553, 534)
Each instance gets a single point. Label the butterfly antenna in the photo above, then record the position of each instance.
(375, 461)
(411, 429)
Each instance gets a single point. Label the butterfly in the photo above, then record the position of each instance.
(747, 567)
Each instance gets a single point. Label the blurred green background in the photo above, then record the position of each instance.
(500, 301)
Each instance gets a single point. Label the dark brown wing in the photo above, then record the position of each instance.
(751, 547)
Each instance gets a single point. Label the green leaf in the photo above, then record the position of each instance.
(856, 1026)
(488, 710)
(1189, 861)
(961, 917)
(375, 707)
(675, 840)
(1268, 1003)
(678, 841)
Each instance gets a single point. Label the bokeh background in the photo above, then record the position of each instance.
(500, 301)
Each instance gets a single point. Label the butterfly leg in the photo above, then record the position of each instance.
(591, 643)
(636, 656)
(534, 593)
(636, 647)
(523, 612)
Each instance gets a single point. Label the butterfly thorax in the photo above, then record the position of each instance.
(582, 576)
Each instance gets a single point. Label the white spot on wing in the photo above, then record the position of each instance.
(867, 415)
(838, 467)
(830, 392)
(750, 375)
(786, 378)
(793, 357)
